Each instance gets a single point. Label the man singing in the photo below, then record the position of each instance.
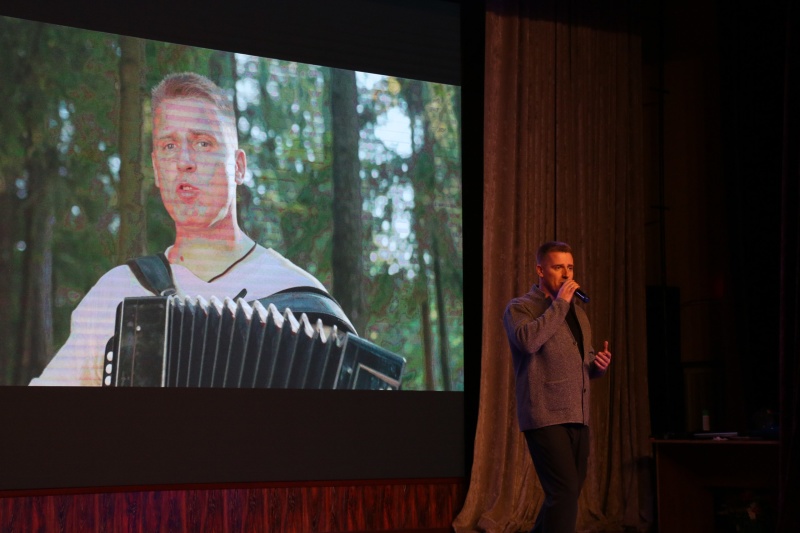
(553, 358)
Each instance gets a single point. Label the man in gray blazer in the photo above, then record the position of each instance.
(551, 347)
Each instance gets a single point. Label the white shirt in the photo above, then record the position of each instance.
(80, 360)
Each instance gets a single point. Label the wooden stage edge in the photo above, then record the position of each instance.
(421, 505)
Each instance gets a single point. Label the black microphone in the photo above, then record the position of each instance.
(582, 295)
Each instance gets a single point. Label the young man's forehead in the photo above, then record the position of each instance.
(558, 258)
(197, 115)
(188, 108)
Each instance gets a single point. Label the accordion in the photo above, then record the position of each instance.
(175, 341)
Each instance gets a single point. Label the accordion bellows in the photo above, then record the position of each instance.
(191, 342)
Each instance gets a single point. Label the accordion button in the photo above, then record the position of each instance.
(108, 368)
(108, 380)
(110, 356)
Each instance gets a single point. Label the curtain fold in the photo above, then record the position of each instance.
(562, 160)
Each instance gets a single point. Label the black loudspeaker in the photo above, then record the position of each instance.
(664, 368)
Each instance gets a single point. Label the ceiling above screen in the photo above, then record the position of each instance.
(380, 36)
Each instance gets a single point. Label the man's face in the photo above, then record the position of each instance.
(554, 270)
(197, 164)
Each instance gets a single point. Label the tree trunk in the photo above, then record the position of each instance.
(225, 63)
(7, 346)
(347, 261)
(425, 323)
(36, 342)
(422, 172)
(9, 171)
(444, 337)
(132, 237)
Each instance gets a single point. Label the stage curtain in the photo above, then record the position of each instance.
(563, 160)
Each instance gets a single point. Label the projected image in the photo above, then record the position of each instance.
(178, 216)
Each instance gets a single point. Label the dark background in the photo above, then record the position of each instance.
(713, 86)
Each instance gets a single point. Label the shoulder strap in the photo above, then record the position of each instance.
(315, 303)
(154, 273)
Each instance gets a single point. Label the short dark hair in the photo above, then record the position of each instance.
(551, 246)
(192, 85)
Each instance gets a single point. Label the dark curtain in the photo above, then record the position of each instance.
(789, 484)
(563, 160)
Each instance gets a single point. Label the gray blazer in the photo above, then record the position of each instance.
(551, 376)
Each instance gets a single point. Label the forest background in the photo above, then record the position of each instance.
(354, 177)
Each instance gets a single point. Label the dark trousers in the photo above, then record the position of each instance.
(560, 455)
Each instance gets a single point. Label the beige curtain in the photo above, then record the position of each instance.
(563, 160)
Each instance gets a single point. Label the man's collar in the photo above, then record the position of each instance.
(538, 290)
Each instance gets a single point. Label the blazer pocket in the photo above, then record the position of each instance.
(556, 395)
